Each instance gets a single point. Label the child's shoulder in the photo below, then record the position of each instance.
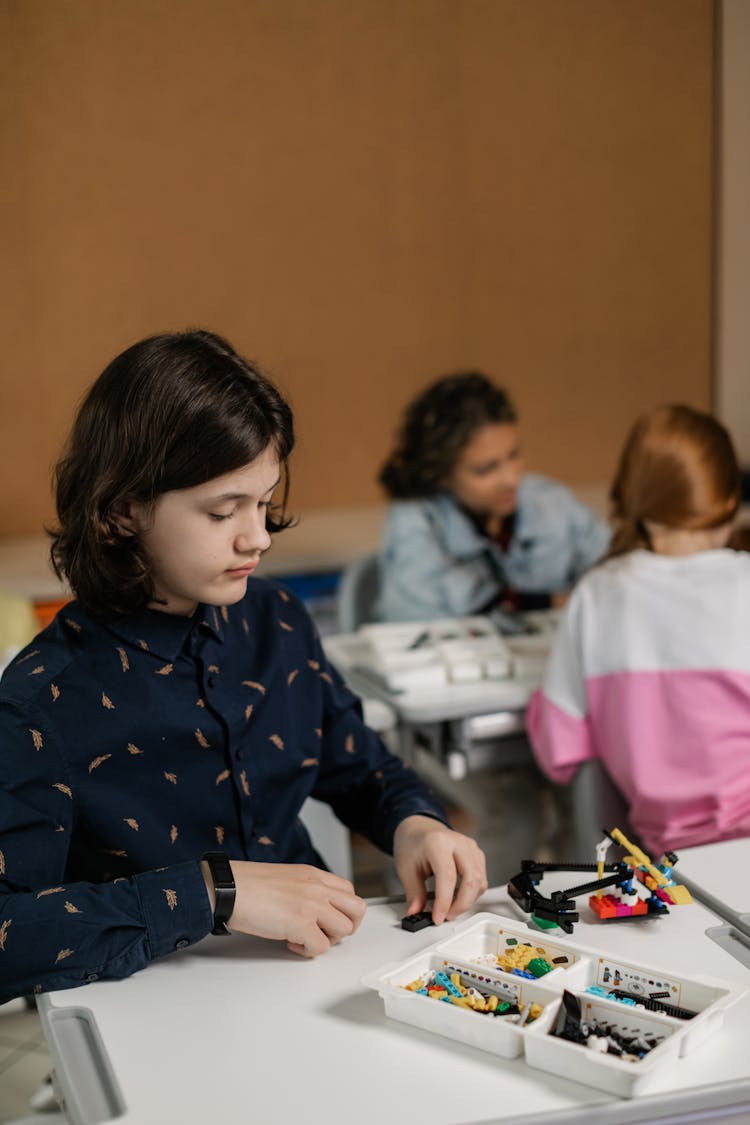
(538, 484)
(548, 496)
(407, 513)
(716, 574)
(546, 501)
(46, 658)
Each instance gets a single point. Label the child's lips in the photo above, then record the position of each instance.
(242, 571)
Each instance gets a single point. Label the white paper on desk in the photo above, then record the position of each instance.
(433, 653)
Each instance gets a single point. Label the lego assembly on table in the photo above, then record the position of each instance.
(639, 888)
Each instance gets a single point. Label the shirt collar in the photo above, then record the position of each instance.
(165, 634)
(463, 537)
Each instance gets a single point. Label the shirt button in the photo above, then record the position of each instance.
(91, 977)
(212, 681)
(183, 943)
(238, 754)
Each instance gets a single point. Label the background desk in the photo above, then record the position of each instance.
(453, 720)
(241, 1029)
(452, 731)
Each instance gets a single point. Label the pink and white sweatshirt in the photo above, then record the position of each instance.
(650, 673)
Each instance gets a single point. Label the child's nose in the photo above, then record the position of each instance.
(510, 473)
(254, 535)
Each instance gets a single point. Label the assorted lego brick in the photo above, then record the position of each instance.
(655, 1002)
(490, 998)
(526, 960)
(607, 1037)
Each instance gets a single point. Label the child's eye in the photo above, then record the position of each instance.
(218, 516)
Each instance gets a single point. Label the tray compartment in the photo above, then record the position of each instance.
(498, 1034)
(617, 1075)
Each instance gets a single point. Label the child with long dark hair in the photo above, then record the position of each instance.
(159, 738)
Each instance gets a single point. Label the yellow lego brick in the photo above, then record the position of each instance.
(679, 895)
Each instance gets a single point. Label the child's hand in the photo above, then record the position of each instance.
(423, 847)
(308, 908)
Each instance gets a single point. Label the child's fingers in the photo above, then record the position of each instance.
(416, 904)
(446, 877)
(414, 889)
(472, 868)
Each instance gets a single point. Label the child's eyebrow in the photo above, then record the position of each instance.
(240, 495)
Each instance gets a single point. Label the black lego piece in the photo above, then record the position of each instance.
(414, 922)
(654, 1003)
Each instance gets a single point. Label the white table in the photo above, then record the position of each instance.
(721, 869)
(239, 1029)
(717, 875)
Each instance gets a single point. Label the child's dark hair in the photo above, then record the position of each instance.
(679, 469)
(172, 411)
(436, 427)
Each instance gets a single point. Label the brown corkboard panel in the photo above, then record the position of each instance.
(362, 195)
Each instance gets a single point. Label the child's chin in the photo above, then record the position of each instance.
(231, 597)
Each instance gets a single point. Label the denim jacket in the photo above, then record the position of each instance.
(435, 562)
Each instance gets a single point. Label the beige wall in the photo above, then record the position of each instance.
(733, 228)
(361, 194)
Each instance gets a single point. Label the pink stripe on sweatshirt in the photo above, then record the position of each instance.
(676, 744)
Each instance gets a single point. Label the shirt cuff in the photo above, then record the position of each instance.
(176, 907)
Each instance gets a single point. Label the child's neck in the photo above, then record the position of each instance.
(680, 541)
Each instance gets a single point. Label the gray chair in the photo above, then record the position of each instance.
(358, 592)
(597, 806)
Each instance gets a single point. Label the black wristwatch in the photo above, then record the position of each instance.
(224, 889)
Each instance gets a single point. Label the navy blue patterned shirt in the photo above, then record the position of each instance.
(129, 749)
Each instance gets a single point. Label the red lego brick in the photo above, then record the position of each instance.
(604, 907)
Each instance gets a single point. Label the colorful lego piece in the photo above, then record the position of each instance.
(482, 995)
(624, 902)
(523, 959)
(539, 966)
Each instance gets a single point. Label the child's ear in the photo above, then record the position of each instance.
(126, 517)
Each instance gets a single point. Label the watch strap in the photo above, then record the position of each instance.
(224, 889)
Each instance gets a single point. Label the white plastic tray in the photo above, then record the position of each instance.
(474, 948)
